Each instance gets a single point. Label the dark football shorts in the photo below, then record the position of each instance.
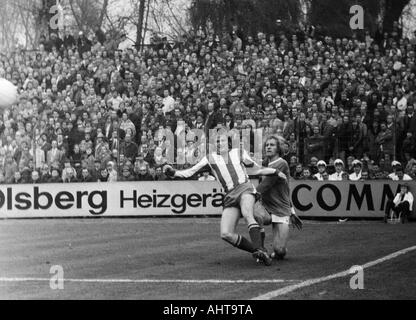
(232, 198)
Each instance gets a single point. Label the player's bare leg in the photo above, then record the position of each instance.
(263, 218)
(229, 221)
(247, 210)
(280, 239)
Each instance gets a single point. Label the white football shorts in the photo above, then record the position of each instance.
(281, 220)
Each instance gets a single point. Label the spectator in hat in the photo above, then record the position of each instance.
(356, 175)
(320, 176)
(394, 165)
(339, 170)
(399, 175)
(402, 204)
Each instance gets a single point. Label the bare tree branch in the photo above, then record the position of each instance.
(74, 14)
(174, 16)
(25, 25)
(103, 12)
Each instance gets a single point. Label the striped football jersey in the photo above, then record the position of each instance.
(229, 168)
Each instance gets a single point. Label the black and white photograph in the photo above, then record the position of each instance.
(207, 154)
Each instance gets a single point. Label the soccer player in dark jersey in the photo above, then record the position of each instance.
(275, 198)
(229, 168)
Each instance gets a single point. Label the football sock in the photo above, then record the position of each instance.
(255, 236)
(244, 244)
(263, 236)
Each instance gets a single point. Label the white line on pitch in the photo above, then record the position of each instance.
(144, 220)
(307, 283)
(189, 281)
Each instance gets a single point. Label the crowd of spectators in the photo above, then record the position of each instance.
(93, 108)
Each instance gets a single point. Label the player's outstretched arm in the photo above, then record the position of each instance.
(187, 173)
(261, 171)
(270, 172)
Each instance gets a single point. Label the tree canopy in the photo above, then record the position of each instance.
(260, 15)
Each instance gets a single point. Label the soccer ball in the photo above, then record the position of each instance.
(8, 94)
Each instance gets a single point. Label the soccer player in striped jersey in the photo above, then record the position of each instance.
(275, 198)
(228, 165)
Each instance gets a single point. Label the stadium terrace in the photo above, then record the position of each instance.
(90, 110)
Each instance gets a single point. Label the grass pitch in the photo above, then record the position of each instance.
(184, 258)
